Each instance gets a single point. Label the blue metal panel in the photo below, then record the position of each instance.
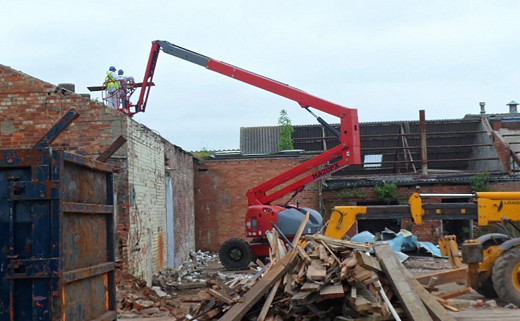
(56, 237)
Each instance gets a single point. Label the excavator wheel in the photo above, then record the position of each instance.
(235, 254)
(506, 276)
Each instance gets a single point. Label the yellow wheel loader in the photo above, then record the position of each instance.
(493, 259)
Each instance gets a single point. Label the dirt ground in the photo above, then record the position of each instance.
(472, 307)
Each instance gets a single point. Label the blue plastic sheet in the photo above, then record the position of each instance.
(404, 241)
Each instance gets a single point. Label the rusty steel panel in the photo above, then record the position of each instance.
(56, 237)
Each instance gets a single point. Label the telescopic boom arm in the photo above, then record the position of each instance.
(348, 151)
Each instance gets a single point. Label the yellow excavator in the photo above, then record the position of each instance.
(493, 259)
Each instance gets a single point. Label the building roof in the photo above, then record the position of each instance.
(390, 148)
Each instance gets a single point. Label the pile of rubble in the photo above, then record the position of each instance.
(135, 299)
(192, 274)
(171, 287)
(322, 278)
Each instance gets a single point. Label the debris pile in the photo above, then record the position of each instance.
(192, 274)
(322, 278)
(135, 299)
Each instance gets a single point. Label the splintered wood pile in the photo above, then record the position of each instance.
(322, 279)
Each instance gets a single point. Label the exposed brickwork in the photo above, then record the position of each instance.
(146, 177)
(503, 151)
(30, 107)
(220, 195)
(179, 165)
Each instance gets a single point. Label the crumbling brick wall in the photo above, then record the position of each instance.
(146, 178)
(30, 107)
(179, 166)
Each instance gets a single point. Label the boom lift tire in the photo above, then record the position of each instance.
(506, 276)
(235, 254)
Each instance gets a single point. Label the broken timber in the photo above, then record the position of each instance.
(277, 271)
(410, 301)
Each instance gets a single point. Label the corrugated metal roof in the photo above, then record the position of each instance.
(452, 144)
(259, 140)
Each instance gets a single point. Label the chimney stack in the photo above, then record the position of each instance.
(482, 107)
(512, 107)
(69, 87)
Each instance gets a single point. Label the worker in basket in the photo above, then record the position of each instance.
(125, 86)
(112, 86)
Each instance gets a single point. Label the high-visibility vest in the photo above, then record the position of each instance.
(110, 81)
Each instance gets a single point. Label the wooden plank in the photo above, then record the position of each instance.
(368, 262)
(288, 280)
(303, 298)
(260, 263)
(310, 287)
(445, 304)
(331, 292)
(488, 314)
(375, 317)
(251, 297)
(323, 253)
(330, 251)
(299, 233)
(316, 271)
(303, 254)
(336, 244)
(361, 274)
(454, 294)
(443, 277)
(220, 296)
(268, 301)
(353, 294)
(431, 303)
(210, 314)
(394, 270)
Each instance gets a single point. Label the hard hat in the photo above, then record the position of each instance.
(120, 71)
(112, 68)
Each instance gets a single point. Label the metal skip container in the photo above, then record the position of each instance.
(56, 237)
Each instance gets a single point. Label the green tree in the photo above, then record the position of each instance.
(480, 182)
(386, 192)
(286, 132)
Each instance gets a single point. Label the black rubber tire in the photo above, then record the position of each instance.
(496, 239)
(235, 254)
(504, 282)
(487, 288)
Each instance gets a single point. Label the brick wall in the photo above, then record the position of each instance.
(180, 168)
(221, 203)
(147, 200)
(30, 107)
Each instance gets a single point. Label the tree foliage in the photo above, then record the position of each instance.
(286, 142)
(386, 192)
(480, 182)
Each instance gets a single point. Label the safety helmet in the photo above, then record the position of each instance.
(112, 68)
(120, 71)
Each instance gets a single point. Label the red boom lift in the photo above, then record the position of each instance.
(262, 214)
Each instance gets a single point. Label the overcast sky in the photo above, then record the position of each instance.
(388, 59)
